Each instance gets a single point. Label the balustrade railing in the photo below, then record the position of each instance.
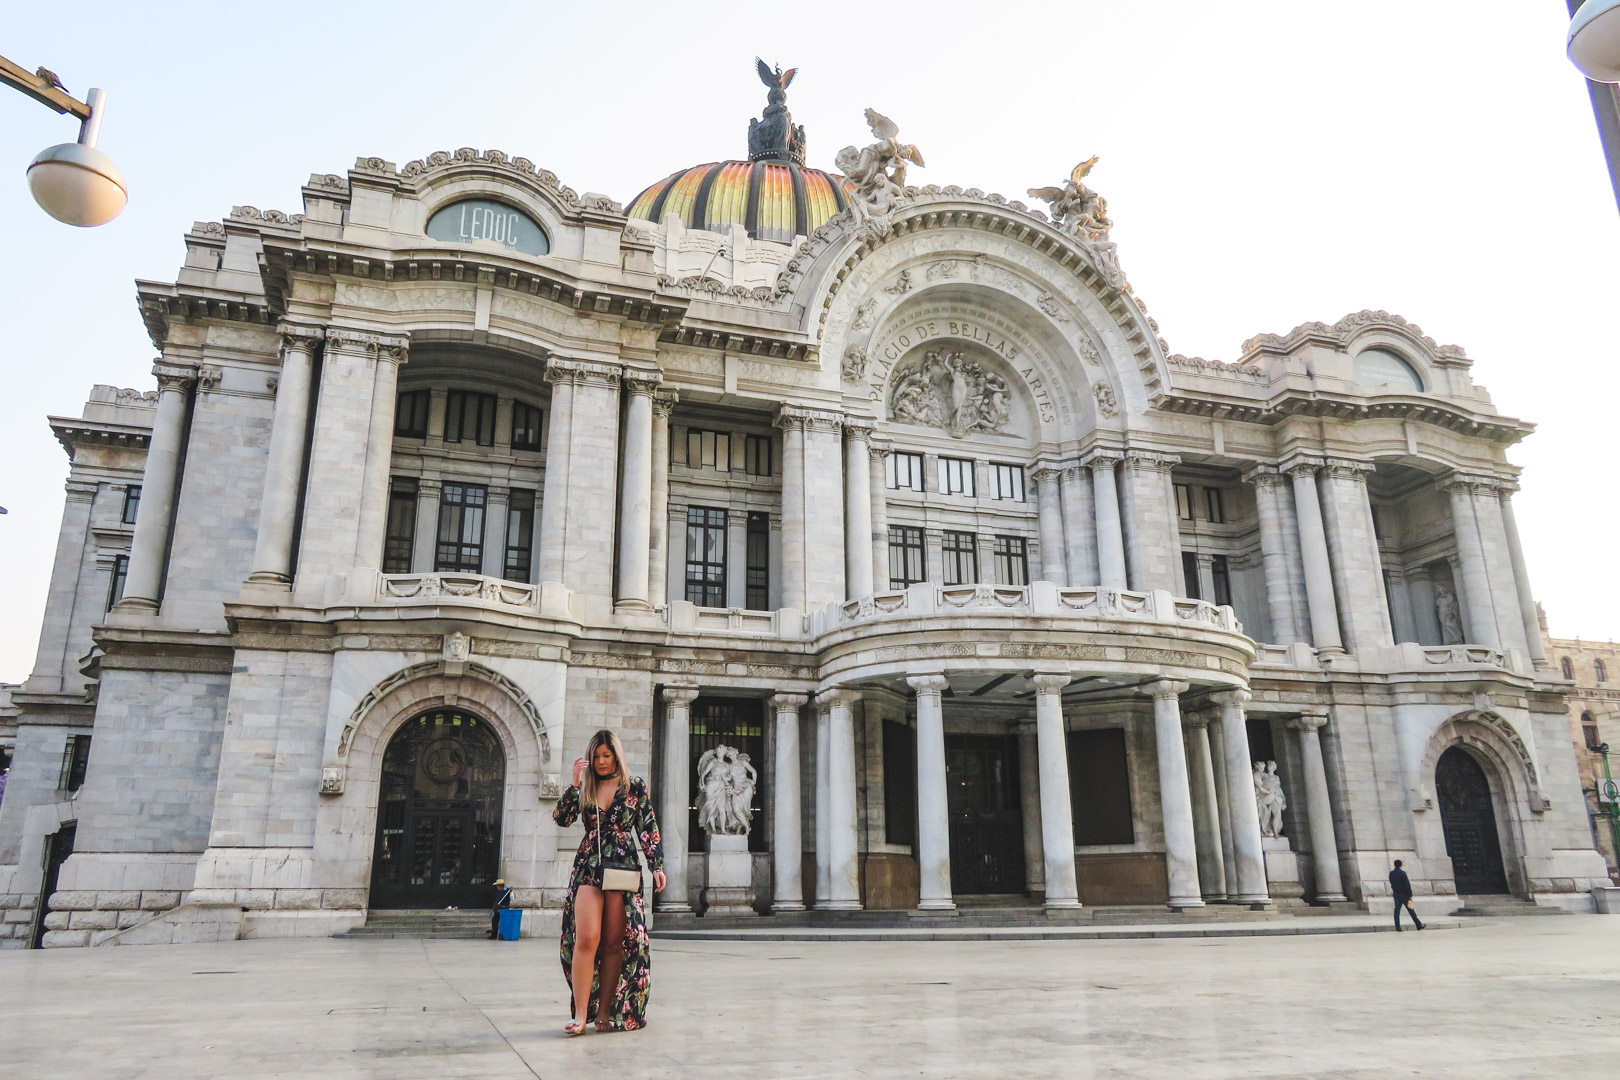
(1041, 599)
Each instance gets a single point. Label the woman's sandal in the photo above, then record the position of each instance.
(606, 1025)
(574, 1027)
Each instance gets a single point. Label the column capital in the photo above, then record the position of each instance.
(1196, 719)
(794, 416)
(680, 693)
(929, 685)
(299, 335)
(1302, 465)
(1151, 460)
(1234, 698)
(1264, 475)
(1166, 689)
(788, 702)
(859, 427)
(493, 495)
(642, 381)
(1308, 720)
(1343, 468)
(578, 372)
(664, 403)
(1050, 682)
(173, 376)
(430, 487)
(84, 490)
(1046, 473)
(1071, 472)
(378, 346)
(838, 695)
(1101, 458)
(878, 448)
(1472, 484)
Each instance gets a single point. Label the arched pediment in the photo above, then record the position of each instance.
(1493, 738)
(443, 176)
(430, 668)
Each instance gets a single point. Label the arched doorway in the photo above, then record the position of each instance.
(1469, 823)
(439, 813)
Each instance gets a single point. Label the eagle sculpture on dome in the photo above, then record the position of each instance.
(773, 136)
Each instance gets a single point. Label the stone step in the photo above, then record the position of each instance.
(460, 924)
(974, 917)
(1492, 906)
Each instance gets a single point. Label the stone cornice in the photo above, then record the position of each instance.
(1440, 412)
(378, 345)
(163, 303)
(71, 432)
(743, 342)
(1340, 334)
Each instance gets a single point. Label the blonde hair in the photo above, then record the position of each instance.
(610, 740)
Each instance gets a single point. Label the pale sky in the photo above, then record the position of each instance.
(1266, 164)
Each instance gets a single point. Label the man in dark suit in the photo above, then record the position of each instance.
(1401, 886)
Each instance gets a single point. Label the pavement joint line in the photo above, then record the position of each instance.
(427, 955)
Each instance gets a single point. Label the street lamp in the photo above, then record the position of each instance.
(73, 182)
(1594, 40)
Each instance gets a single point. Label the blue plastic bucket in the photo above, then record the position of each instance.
(511, 923)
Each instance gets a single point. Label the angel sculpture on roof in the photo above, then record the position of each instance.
(1075, 207)
(878, 171)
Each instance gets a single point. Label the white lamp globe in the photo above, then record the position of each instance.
(77, 184)
(1594, 40)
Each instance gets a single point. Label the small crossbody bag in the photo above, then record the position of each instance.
(619, 874)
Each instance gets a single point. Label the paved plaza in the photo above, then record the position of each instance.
(1506, 998)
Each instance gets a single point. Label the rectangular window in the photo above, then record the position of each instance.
(1213, 504)
(757, 455)
(759, 562)
(955, 476)
(1223, 581)
(411, 415)
(400, 537)
(519, 536)
(1008, 481)
(1100, 787)
(120, 571)
(1589, 730)
(75, 759)
(961, 552)
(132, 504)
(1012, 560)
(899, 783)
(906, 560)
(460, 547)
(469, 417)
(1189, 572)
(525, 427)
(1184, 503)
(905, 470)
(708, 450)
(706, 556)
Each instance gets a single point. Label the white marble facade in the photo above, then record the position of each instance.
(950, 482)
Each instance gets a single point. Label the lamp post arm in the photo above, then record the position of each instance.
(42, 91)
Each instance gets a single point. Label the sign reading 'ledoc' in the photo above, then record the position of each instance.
(493, 222)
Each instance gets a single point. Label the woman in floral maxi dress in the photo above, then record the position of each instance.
(611, 926)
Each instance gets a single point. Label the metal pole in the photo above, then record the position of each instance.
(1614, 807)
(90, 127)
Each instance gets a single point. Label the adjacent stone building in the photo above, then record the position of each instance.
(894, 488)
(1594, 717)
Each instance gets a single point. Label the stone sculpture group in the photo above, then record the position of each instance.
(726, 779)
(952, 391)
(878, 171)
(1269, 798)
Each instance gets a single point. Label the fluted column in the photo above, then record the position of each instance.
(425, 540)
(1249, 855)
(1206, 808)
(554, 496)
(497, 506)
(1274, 553)
(1049, 509)
(676, 811)
(858, 568)
(1110, 534)
(933, 815)
(843, 872)
(1175, 795)
(635, 491)
(1057, 812)
(143, 583)
(879, 486)
(1521, 582)
(792, 424)
(1079, 527)
(658, 543)
(1314, 553)
(386, 354)
(284, 464)
(1476, 578)
(1318, 808)
(1223, 802)
(823, 797)
(787, 843)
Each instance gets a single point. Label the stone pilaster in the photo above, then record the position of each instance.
(635, 493)
(1314, 554)
(554, 496)
(57, 662)
(576, 514)
(1318, 807)
(1153, 546)
(812, 507)
(677, 794)
(879, 486)
(385, 353)
(1111, 566)
(1357, 566)
(425, 541)
(1175, 796)
(792, 423)
(284, 464)
(143, 583)
(1511, 628)
(1275, 552)
(1476, 575)
(787, 844)
(1057, 812)
(497, 506)
(1521, 581)
(933, 815)
(858, 567)
(1049, 510)
(658, 542)
(1079, 526)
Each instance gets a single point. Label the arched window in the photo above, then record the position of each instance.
(1602, 672)
(1589, 730)
(1568, 669)
(1380, 367)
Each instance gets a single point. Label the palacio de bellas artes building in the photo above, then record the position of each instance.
(892, 487)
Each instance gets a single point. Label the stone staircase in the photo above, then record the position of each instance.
(432, 923)
(1496, 905)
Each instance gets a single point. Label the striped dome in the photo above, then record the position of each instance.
(773, 200)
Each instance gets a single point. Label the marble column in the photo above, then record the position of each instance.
(933, 815)
(1314, 553)
(1318, 808)
(1029, 800)
(736, 558)
(1476, 578)
(878, 483)
(1205, 807)
(823, 797)
(1521, 582)
(1250, 887)
(1401, 615)
(554, 497)
(1152, 537)
(1110, 533)
(149, 547)
(858, 568)
(1057, 813)
(1425, 617)
(1049, 511)
(1274, 552)
(1358, 571)
(658, 516)
(284, 465)
(1175, 796)
(387, 353)
(635, 492)
(1079, 527)
(843, 872)
(1223, 802)
(1206, 576)
(1505, 598)
(497, 505)
(787, 838)
(676, 811)
(793, 515)
(425, 540)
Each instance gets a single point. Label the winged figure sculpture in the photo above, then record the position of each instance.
(1075, 207)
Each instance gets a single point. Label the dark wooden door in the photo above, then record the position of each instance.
(987, 821)
(1469, 823)
(60, 846)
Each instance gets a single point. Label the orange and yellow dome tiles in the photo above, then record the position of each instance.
(772, 200)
